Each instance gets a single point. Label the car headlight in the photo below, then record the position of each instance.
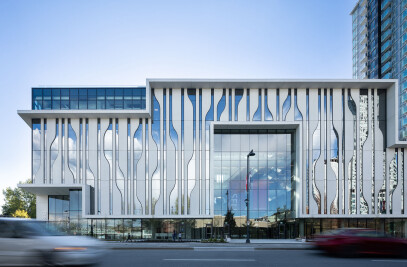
(70, 249)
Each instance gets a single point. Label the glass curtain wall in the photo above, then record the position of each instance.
(271, 173)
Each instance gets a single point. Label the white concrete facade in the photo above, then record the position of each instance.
(157, 163)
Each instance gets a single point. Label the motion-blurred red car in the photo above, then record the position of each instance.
(349, 242)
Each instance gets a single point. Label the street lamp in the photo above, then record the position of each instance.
(251, 153)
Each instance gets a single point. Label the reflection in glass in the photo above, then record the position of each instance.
(63, 151)
(46, 151)
(334, 208)
(381, 118)
(343, 167)
(182, 154)
(271, 173)
(80, 151)
(174, 139)
(72, 150)
(90, 177)
(373, 147)
(238, 98)
(221, 104)
(257, 114)
(155, 133)
(147, 192)
(129, 179)
(307, 155)
(278, 104)
(267, 113)
(363, 131)
(36, 147)
(248, 104)
(138, 151)
(165, 150)
(325, 151)
(108, 152)
(316, 153)
(191, 163)
(54, 150)
(297, 112)
(89, 98)
(119, 177)
(230, 104)
(393, 178)
(99, 151)
(200, 151)
(208, 118)
(352, 163)
(287, 105)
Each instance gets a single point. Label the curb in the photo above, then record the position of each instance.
(193, 248)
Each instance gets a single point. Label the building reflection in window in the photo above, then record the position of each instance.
(72, 139)
(138, 151)
(272, 172)
(221, 105)
(257, 114)
(192, 163)
(267, 113)
(36, 147)
(119, 176)
(209, 117)
(108, 152)
(155, 133)
(238, 98)
(54, 150)
(174, 139)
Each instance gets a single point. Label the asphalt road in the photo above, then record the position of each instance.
(238, 257)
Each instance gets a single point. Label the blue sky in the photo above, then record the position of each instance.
(97, 42)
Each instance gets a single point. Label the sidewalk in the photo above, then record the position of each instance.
(233, 245)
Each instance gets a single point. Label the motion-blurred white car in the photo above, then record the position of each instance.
(26, 242)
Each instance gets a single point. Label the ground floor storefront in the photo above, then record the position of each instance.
(164, 229)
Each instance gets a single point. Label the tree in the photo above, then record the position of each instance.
(18, 199)
(20, 214)
(230, 220)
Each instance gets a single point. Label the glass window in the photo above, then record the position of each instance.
(83, 97)
(109, 98)
(73, 98)
(46, 99)
(101, 99)
(56, 98)
(37, 99)
(238, 97)
(118, 99)
(92, 99)
(221, 104)
(270, 172)
(127, 99)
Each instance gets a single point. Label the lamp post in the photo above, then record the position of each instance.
(251, 153)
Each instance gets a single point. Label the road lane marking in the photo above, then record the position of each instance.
(209, 259)
(223, 248)
(391, 260)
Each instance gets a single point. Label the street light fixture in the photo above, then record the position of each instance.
(251, 153)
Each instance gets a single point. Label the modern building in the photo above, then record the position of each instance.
(173, 156)
(379, 38)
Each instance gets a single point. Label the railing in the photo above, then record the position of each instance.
(385, 24)
(387, 76)
(384, 4)
(385, 14)
(386, 56)
(386, 45)
(386, 67)
(386, 35)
